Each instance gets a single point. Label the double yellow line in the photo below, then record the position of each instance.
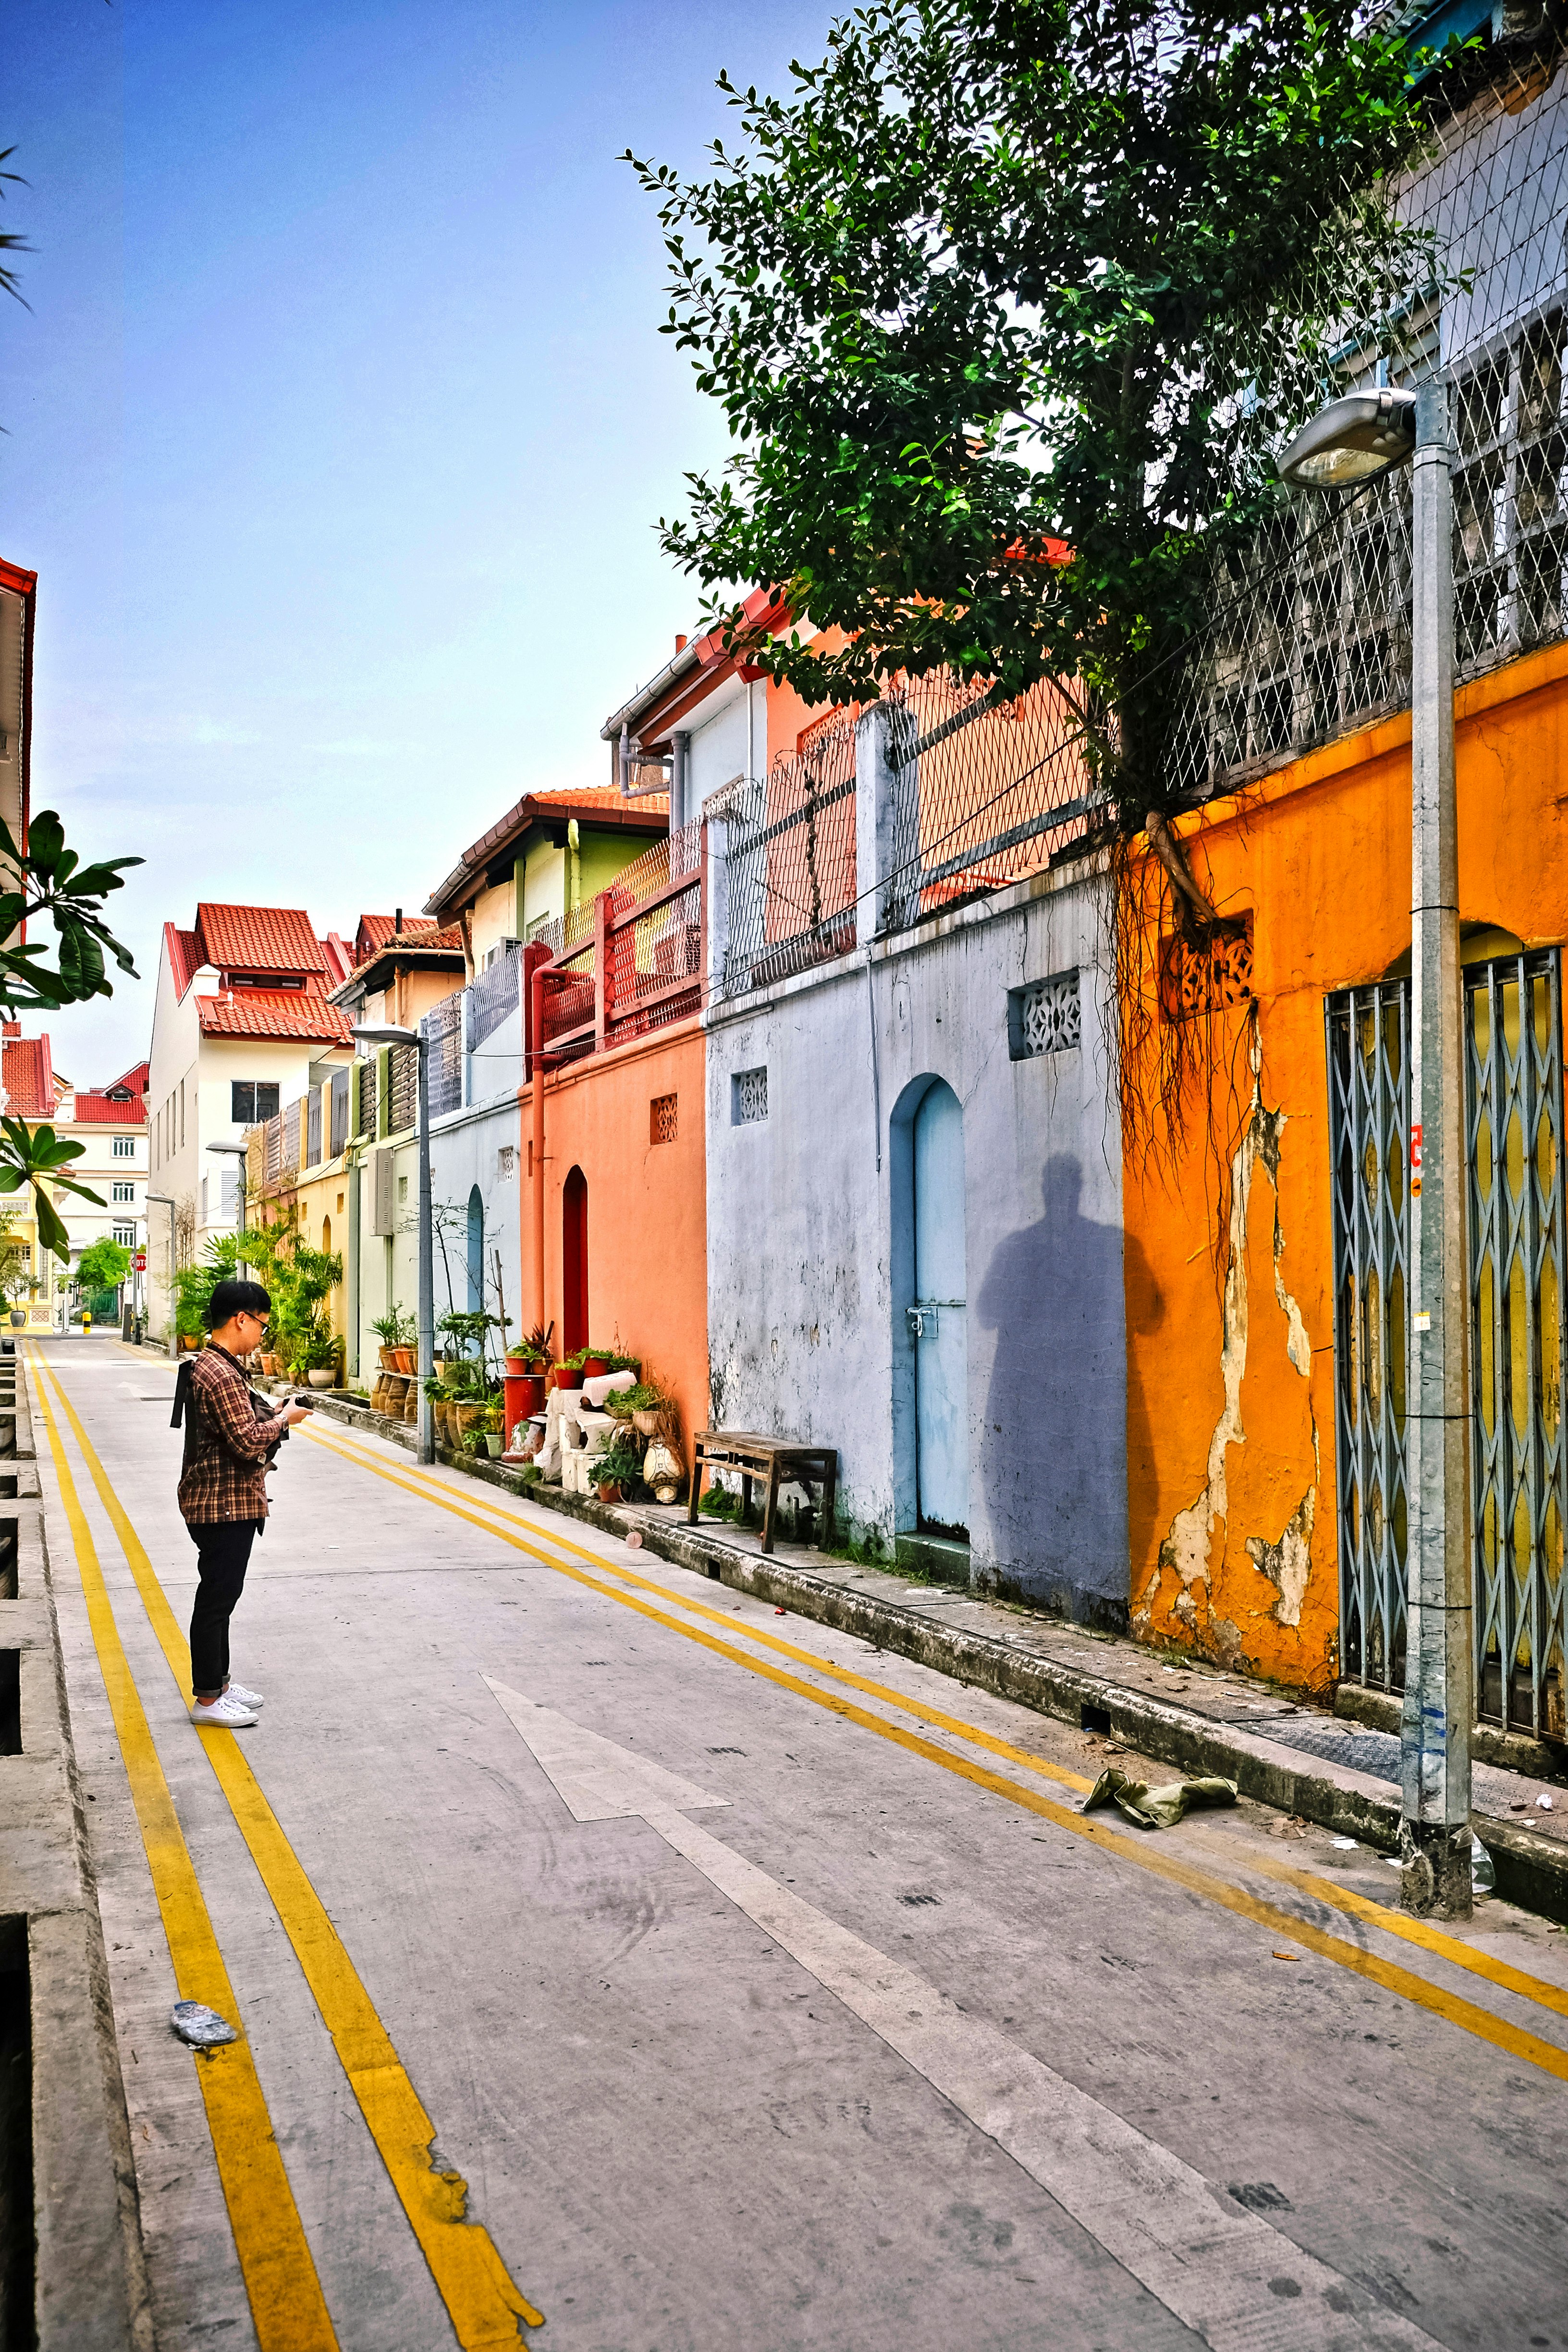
(564, 1557)
(286, 2300)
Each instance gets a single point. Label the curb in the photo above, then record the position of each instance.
(1531, 1870)
(89, 2288)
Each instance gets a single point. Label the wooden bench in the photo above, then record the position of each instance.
(773, 1459)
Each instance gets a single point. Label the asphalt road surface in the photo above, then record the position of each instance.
(622, 1965)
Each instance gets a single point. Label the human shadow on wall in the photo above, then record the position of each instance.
(1062, 1415)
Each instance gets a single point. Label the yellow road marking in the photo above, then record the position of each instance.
(498, 1520)
(1400, 1924)
(481, 2300)
(286, 2300)
(1453, 2007)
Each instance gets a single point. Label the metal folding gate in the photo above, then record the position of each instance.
(1515, 1218)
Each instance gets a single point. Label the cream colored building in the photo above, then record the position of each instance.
(241, 1026)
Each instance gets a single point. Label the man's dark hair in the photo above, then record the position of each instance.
(237, 1299)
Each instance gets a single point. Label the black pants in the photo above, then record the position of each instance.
(223, 1554)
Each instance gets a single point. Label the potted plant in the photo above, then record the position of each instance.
(616, 1470)
(641, 1405)
(531, 1352)
(395, 1330)
(594, 1364)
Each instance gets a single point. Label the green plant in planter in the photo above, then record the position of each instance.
(396, 1330)
(646, 1397)
(618, 1466)
(317, 1348)
(534, 1346)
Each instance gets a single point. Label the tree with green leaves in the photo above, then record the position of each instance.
(1009, 304)
(45, 879)
(103, 1265)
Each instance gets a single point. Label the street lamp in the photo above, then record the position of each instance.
(378, 1033)
(162, 1201)
(240, 1152)
(1351, 442)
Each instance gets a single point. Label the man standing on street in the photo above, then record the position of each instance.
(230, 1444)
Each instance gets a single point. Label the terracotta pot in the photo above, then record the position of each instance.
(467, 1417)
(385, 1360)
(397, 1391)
(443, 1411)
(610, 1494)
(518, 1367)
(594, 1367)
(564, 1376)
(404, 1357)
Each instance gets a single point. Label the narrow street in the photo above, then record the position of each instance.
(766, 1990)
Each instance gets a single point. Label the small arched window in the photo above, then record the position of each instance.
(475, 1252)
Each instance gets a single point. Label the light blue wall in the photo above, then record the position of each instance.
(807, 1333)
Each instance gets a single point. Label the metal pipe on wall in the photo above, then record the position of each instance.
(680, 749)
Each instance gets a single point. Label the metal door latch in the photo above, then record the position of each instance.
(921, 1320)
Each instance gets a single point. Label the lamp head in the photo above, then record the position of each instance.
(384, 1033)
(1352, 441)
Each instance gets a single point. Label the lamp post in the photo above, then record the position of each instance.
(1348, 442)
(237, 1152)
(389, 1035)
(162, 1201)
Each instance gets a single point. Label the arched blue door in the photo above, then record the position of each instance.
(940, 1313)
(475, 1252)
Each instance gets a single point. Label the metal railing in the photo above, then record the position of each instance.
(632, 960)
(442, 1030)
(789, 859)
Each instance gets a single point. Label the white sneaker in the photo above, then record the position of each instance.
(225, 1714)
(245, 1698)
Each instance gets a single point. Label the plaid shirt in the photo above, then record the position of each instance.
(230, 1442)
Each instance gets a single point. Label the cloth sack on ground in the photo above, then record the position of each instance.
(1155, 1808)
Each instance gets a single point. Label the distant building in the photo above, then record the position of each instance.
(111, 1123)
(241, 1024)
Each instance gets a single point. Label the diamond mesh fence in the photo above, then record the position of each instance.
(442, 1030)
(789, 856)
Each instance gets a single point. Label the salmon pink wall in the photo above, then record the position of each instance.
(647, 1266)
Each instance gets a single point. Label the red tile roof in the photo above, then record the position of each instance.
(258, 939)
(136, 1078)
(184, 956)
(99, 1110)
(340, 958)
(273, 1012)
(374, 931)
(599, 803)
(27, 1076)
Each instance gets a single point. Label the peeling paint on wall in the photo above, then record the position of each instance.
(1194, 1549)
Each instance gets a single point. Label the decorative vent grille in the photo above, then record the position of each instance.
(506, 1160)
(662, 1119)
(749, 1096)
(1047, 1017)
(1205, 976)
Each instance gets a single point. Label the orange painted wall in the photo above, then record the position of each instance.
(648, 1211)
(1231, 1477)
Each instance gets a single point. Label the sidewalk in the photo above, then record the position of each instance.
(1334, 1768)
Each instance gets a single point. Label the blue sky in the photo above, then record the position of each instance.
(338, 426)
